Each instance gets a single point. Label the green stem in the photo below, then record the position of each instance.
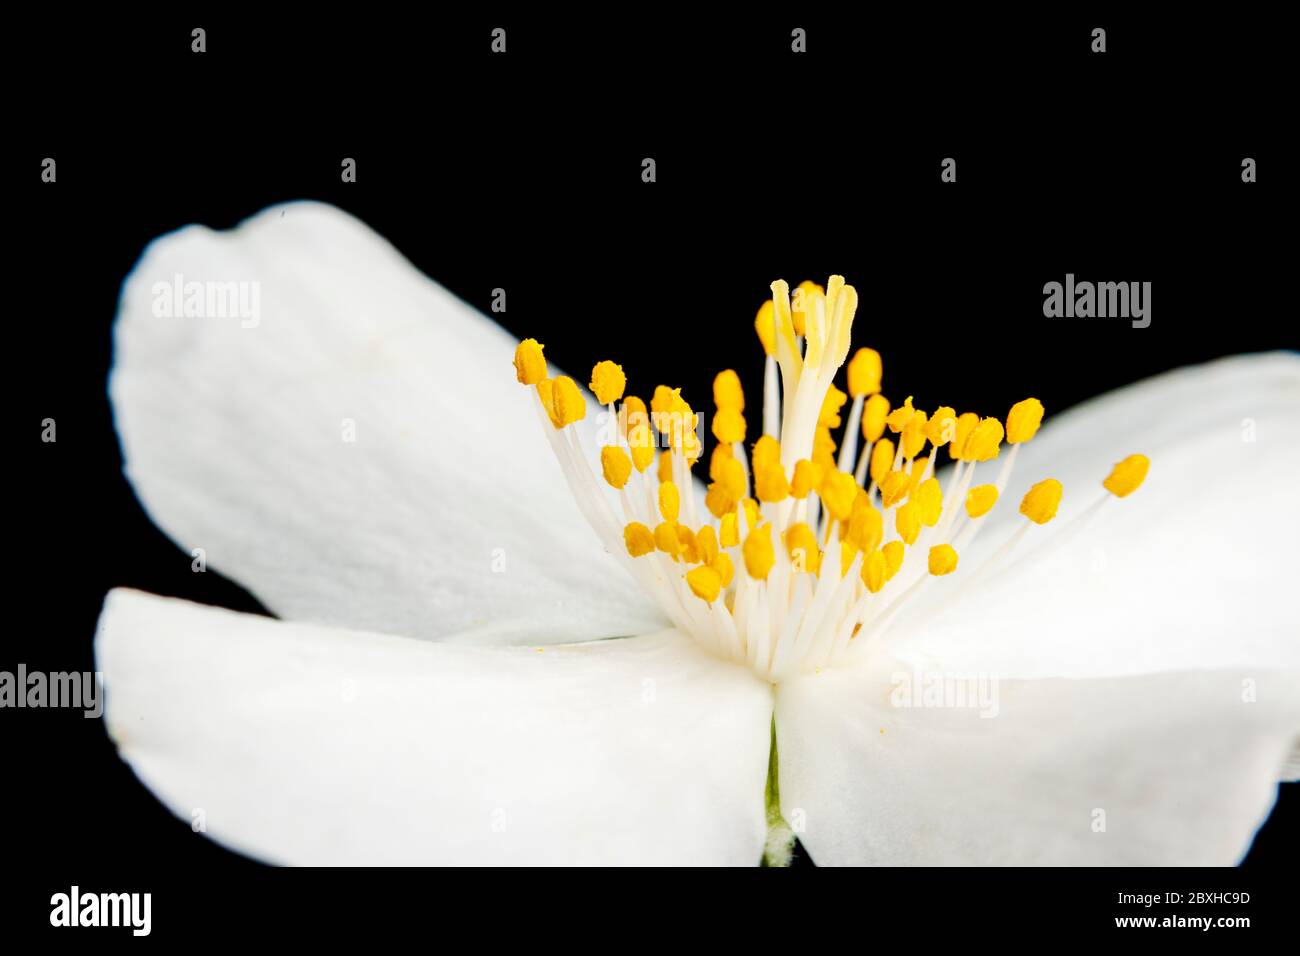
(780, 837)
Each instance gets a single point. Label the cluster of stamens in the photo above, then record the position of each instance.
(809, 548)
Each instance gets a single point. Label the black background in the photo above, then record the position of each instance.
(522, 172)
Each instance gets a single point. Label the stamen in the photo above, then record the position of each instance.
(638, 539)
(793, 501)
(980, 500)
(670, 503)
(607, 382)
(705, 583)
(759, 556)
(1127, 476)
(943, 560)
(564, 402)
(1023, 421)
(615, 465)
(1042, 500)
(530, 366)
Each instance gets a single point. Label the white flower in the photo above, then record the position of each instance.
(441, 688)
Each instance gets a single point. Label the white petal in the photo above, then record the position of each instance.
(1193, 571)
(1177, 768)
(306, 745)
(1291, 768)
(447, 514)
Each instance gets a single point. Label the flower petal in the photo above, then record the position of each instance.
(355, 449)
(1171, 769)
(1194, 571)
(306, 745)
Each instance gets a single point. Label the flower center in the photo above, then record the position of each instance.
(805, 549)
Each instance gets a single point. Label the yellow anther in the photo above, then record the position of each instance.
(943, 560)
(632, 415)
(641, 444)
(801, 544)
(686, 544)
(666, 539)
(544, 389)
(866, 524)
(874, 570)
(980, 500)
(639, 539)
(566, 402)
(670, 503)
(913, 435)
(728, 425)
(679, 406)
(848, 551)
(705, 583)
(728, 486)
(707, 541)
(942, 426)
(661, 402)
(864, 372)
(882, 459)
(1041, 501)
(728, 534)
(770, 483)
(665, 472)
(829, 416)
(765, 326)
(928, 499)
(1023, 420)
(894, 488)
(893, 552)
(608, 382)
(616, 465)
(907, 522)
(824, 450)
(751, 511)
(679, 425)
(984, 440)
(767, 449)
(731, 475)
(727, 392)
(807, 476)
(530, 366)
(900, 416)
(1127, 476)
(634, 426)
(874, 415)
(758, 553)
(721, 452)
(838, 491)
(726, 570)
(966, 423)
(803, 303)
(719, 500)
